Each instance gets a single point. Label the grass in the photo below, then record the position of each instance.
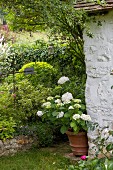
(24, 37)
(51, 158)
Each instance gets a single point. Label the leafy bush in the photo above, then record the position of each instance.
(43, 132)
(44, 73)
(7, 127)
(96, 164)
(22, 104)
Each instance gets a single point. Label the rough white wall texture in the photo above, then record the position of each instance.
(99, 64)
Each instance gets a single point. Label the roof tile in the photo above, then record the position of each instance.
(93, 6)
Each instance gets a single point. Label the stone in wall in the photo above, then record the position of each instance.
(11, 146)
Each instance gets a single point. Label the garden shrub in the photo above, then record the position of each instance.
(22, 104)
(44, 74)
(43, 132)
(7, 127)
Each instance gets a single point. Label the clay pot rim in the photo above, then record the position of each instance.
(73, 133)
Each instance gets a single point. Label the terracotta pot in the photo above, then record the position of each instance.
(78, 143)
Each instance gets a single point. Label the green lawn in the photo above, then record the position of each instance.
(24, 37)
(37, 159)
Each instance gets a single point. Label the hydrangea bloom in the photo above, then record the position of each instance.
(58, 101)
(50, 98)
(47, 104)
(71, 107)
(85, 117)
(40, 113)
(61, 114)
(77, 100)
(77, 106)
(76, 116)
(62, 80)
(66, 97)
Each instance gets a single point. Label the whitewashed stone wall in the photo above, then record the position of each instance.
(99, 64)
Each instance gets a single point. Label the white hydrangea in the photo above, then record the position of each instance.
(71, 107)
(50, 98)
(76, 116)
(47, 105)
(77, 100)
(60, 104)
(40, 113)
(67, 102)
(85, 117)
(66, 97)
(77, 106)
(61, 114)
(62, 80)
(58, 101)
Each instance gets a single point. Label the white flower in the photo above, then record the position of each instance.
(47, 105)
(71, 107)
(58, 101)
(77, 100)
(67, 102)
(40, 113)
(77, 106)
(105, 133)
(85, 117)
(67, 97)
(62, 80)
(61, 114)
(76, 116)
(50, 98)
(60, 104)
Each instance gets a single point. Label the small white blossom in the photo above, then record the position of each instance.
(62, 80)
(61, 114)
(50, 98)
(71, 107)
(60, 104)
(76, 116)
(47, 105)
(77, 106)
(85, 117)
(67, 102)
(77, 100)
(40, 113)
(67, 97)
(105, 133)
(58, 101)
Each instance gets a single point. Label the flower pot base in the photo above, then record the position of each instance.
(78, 143)
(79, 151)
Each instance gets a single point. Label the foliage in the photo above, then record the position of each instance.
(58, 55)
(59, 16)
(65, 110)
(42, 131)
(45, 134)
(7, 127)
(96, 164)
(43, 73)
(24, 102)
